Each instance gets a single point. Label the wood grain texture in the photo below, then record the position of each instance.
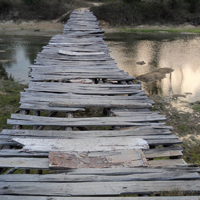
(90, 144)
(13, 197)
(111, 159)
(97, 189)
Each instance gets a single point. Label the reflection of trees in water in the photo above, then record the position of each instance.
(153, 88)
(30, 46)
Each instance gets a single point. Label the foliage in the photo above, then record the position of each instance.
(9, 95)
(31, 2)
(191, 150)
(134, 13)
(131, 1)
(37, 9)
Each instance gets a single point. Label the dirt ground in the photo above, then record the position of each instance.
(31, 27)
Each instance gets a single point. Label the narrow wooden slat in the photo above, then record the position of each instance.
(167, 163)
(13, 197)
(65, 178)
(163, 152)
(29, 163)
(97, 189)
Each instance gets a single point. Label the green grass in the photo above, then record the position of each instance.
(9, 100)
(196, 107)
(131, 30)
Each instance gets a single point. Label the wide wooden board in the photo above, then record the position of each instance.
(111, 159)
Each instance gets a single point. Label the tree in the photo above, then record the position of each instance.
(131, 1)
(31, 2)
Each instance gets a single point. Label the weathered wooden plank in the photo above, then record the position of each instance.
(43, 107)
(30, 163)
(64, 77)
(42, 96)
(13, 197)
(105, 104)
(77, 122)
(97, 189)
(17, 153)
(112, 159)
(127, 171)
(163, 152)
(167, 163)
(90, 144)
(56, 178)
(71, 53)
(137, 132)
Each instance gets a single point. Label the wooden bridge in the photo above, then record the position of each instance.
(88, 131)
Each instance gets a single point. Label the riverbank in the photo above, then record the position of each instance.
(53, 27)
(146, 28)
(20, 27)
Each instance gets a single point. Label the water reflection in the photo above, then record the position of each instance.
(180, 52)
(18, 52)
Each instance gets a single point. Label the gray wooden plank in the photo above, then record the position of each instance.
(97, 189)
(13, 197)
(16, 153)
(102, 121)
(142, 131)
(167, 163)
(163, 152)
(29, 163)
(65, 178)
(127, 171)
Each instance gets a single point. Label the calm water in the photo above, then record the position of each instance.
(180, 52)
(17, 53)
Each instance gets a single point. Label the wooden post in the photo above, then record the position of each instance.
(36, 113)
(69, 115)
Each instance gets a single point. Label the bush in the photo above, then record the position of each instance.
(37, 9)
(6, 5)
(137, 13)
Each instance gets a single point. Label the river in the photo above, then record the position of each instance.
(180, 52)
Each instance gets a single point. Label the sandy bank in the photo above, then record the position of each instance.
(49, 28)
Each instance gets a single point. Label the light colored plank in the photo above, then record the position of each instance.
(71, 53)
(30, 163)
(90, 144)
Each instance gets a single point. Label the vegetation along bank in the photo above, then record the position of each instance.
(136, 12)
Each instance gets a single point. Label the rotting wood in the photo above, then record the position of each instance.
(112, 159)
(90, 144)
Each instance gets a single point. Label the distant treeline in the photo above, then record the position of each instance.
(133, 12)
(36, 9)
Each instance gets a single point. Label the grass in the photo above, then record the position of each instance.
(196, 107)
(184, 125)
(131, 30)
(9, 100)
